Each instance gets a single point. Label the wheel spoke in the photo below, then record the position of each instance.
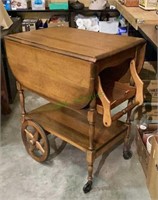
(38, 146)
(28, 134)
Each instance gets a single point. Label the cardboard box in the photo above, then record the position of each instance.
(85, 2)
(149, 71)
(151, 91)
(152, 172)
(151, 111)
(148, 109)
(142, 153)
(131, 3)
(149, 75)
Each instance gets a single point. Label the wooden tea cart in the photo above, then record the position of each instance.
(84, 75)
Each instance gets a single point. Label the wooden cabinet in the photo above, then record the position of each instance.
(8, 77)
(5, 108)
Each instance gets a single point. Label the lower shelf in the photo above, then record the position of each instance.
(72, 127)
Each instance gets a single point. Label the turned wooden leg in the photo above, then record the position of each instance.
(127, 153)
(90, 159)
(90, 153)
(22, 100)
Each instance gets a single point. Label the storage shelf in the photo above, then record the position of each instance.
(72, 126)
(69, 10)
(30, 10)
(29, 13)
(118, 92)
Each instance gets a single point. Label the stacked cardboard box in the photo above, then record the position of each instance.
(149, 164)
(148, 161)
(152, 173)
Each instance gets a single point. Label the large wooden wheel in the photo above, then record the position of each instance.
(35, 140)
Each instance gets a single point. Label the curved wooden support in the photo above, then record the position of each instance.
(105, 108)
(116, 93)
(138, 83)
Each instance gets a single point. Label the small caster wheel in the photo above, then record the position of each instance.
(87, 187)
(127, 155)
(35, 140)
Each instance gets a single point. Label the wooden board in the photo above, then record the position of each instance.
(72, 126)
(150, 33)
(86, 45)
(62, 64)
(54, 76)
(134, 15)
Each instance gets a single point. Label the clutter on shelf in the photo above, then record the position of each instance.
(109, 26)
(58, 5)
(58, 21)
(5, 20)
(38, 4)
(54, 21)
(97, 4)
(129, 3)
(90, 23)
(76, 5)
(19, 4)
(123, 26)
(148, 4)
(34, 24)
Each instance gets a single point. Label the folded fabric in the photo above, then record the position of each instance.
(87, 23)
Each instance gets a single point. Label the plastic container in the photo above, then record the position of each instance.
(58, 6)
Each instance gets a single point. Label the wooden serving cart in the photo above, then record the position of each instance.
(84, 75)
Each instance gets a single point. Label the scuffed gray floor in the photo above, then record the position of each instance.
(63, 176)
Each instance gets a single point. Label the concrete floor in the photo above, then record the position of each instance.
(63, 177)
